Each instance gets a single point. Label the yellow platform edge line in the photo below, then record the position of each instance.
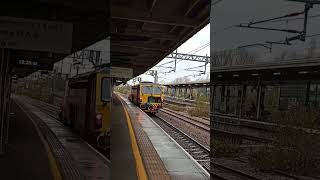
(141, 172)
(52, 161)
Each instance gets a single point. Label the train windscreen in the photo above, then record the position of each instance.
(151, 90)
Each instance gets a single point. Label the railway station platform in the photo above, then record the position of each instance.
(27, 157)
(161, 156)
(41, 147)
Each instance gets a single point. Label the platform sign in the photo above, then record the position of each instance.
(35, 35)
(121, 72)
(28, 63)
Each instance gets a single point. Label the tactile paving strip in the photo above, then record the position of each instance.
(67, 166)
(153, 163)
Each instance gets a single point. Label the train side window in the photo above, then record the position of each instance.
(106, 90)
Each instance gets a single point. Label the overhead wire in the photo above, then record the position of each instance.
(294, 19)
(232, 26)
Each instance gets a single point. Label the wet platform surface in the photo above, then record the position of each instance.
(76, 159)
(26, 157)
(177, 162)
(123, 161)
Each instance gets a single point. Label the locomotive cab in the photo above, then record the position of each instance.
(87, 106)
(148, 96)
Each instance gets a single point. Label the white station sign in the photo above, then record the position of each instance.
(121, 72)
(35, 35)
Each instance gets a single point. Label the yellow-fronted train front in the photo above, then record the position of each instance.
(148, 96)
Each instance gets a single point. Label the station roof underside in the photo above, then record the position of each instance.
(90, 21)
(143, 32)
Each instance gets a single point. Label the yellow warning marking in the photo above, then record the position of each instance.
(141, 172)
(52, 161)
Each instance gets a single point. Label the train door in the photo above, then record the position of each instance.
(134, 94)
(91, 104)
(75, 104)
(79, 101)
(139, 97)
(103, 108)
(64, 109)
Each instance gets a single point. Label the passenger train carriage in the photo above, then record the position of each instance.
(87, 106)
(148, 96)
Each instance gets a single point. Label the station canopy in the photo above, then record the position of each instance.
(52, 22)
(143, 32)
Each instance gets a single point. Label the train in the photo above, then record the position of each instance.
(148, 96)
(87, 106)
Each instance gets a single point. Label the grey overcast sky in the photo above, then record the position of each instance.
(228, 13)
(199, 39)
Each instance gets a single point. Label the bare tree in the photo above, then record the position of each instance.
(245, 57)
(233, 57)
(283, 55)
(223, 58)
(181, 80)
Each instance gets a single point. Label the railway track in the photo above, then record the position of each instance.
(225, 173)
(199, 152)
(199, 122)
(204, 124)
(183, 102)
(202, 154)
(218, 171)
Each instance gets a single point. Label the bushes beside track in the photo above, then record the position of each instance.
(200, 109)
(295, 149)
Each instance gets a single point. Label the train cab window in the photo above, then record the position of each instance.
(106, 90)
(156, 90)
(146, 89)
(151, 90)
